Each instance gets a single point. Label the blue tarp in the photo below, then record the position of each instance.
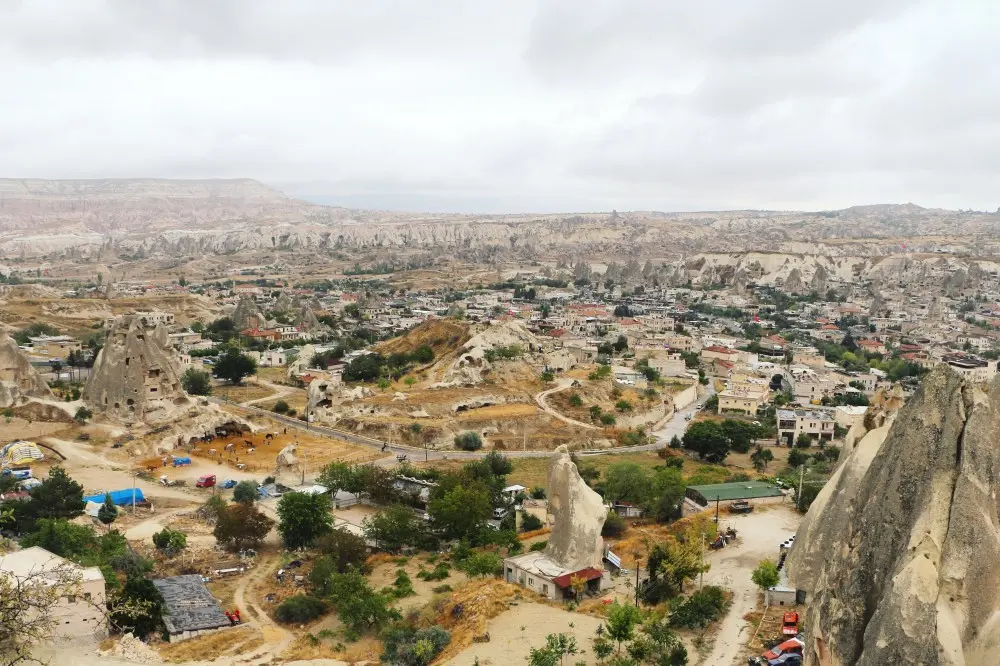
(181, 460)
(119, 497)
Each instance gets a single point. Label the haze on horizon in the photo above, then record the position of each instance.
(541, 106)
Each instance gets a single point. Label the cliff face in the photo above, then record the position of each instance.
(576, 514)
(912, 574)
(136, 376)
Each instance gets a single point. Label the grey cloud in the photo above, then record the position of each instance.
(520, 105)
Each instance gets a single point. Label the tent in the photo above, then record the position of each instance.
(19, 453)
(119, 497)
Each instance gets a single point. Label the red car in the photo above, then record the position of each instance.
(206, 481)
(791, 646)
(790, 624)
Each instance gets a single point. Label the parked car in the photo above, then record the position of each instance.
(229, 483)
(205, 481)
(790, 624)
(500, 513)
(740, 506)
(791, 646)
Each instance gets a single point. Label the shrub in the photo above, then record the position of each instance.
(406, 646)
(614, 525)
(170, 541)
(548, 376)
(538, 545)
(439, 572)
(575, 400)
(608, 419)
(677, 462)
(701, 608)
(623, 406)
(280, 407)
(441, 589)
(300, 608)
(538, 493)
(82, 414)
(468, 441)
(530, 522)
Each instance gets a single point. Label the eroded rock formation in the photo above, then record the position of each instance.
(136, 375)
(576, 514)
(247, 315)
(18, 379)
(910, 574)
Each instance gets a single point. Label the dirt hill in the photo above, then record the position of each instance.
(442, 335)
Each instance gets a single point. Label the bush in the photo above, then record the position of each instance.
(548, 376)
(614, 525)
(701, 608)
(608, 419)
(575, 400)
(280, 407)
(530, 522)
(170, 541)
(406, 646)
(797, 457)
(538, 493)
(83, 414)
(538, 545)
(623, 406)
(677, 462)
(441, 589)
(300, 608)
(196, 382)
(245, 492)
(469, 441)
(440, 572)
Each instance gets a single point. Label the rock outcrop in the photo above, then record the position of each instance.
(18, 378)
(576, 514)
(136, 376)
(247, 315)
(910, 570)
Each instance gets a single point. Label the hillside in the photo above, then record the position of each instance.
(441, 335)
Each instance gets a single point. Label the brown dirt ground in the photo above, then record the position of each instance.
(248, 391)
(203, 648)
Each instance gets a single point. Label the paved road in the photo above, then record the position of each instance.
(675, 426)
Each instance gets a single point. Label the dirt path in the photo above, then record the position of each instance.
(563, 385)
(276, 638)
(759, 535)
(280, 391)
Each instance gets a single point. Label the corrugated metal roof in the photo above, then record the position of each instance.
(736, 490)
(188, 604)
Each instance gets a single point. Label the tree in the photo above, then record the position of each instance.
(299, 609)
(621, 622)
(59, 496)
(241, 526)
(547, 376)
(359, 606)
(627, 481)
(739, 434)
(623, 406)
(675, 442)
(196, 382)
(392, 528)
(383, 384)
(621, 344)
(595, 412)
(365, 368)
(170, 541)
(344, 549)
(803, 441)
(83, 414)
(409, 380)
(303, 518)
(766, 575)
(707, 439)
(405, 646)
(468, 441)
(245, 492)
(108, 511)
(339, 476)
(671, 563)
(233, 366)
(482, 563)
(139, 607)
(760, 458)
(797, 457)
(608, 419)
(575, 400)
(614, 525)
(530, 522)
(557, 648)
(460, 511)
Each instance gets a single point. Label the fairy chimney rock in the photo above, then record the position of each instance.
(137, 375)
(576, 514)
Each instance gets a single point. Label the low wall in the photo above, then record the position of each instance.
(686, 397)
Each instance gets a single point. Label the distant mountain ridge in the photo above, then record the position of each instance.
(137, 217)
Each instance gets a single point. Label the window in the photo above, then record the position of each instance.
(71, 598)
(545, 590)
(531, 582)
(86, 596)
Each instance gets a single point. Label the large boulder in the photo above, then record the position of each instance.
(137, 375)
(576, 514)
(912, 565)
(18, 378)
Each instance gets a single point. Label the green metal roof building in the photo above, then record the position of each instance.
(737, 490)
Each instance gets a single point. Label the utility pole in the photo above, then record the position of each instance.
(701, 575)
(798, 499)
(716, 509)
(637, 567)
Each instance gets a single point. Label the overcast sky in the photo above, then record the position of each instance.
(515, 105)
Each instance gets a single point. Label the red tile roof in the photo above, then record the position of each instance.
(590, 573)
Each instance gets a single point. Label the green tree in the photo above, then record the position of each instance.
(383, 384)
(797, 457)
(557, 648)
(59, 496)
(595, 412)
(359, 606)
(760, 458)
(108, 511)
(548, 376)
(302, 518)
(138, 608)
(233, 366)
(460, 511)
(245, 492)
(468, 441)
(482, 563)
(196, 382)
(575, 400)
(345, 550)
(608, 419)
(623, 406)
(339, 476)
(83, 414)
(707, 439)
(766, 575)
(241, 526)
(803, 440)
(621, 622)
(299, 609)
(393, 528)
(170, 541)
